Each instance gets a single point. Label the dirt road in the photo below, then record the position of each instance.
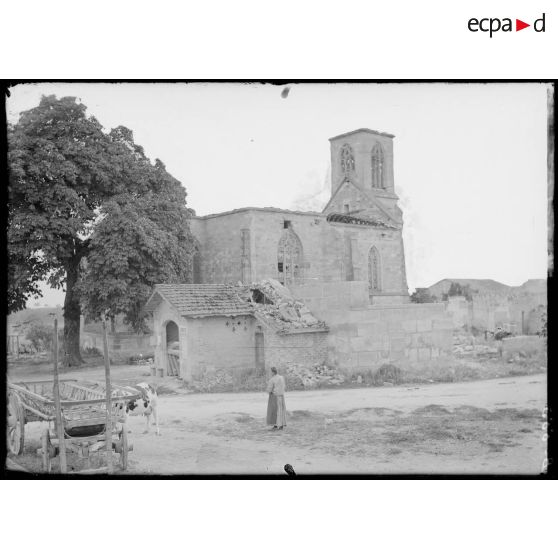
(485, 427)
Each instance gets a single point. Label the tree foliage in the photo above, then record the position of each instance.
(139, 241)
(457, 289)
(421, 296)
(41, 337)
(89, 212)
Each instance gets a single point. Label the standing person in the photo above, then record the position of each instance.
(276, 410)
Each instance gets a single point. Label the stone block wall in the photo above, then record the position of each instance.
(120, 345)
(220, 240)
(460, 310)
(295, 348)
(335, 295)
(353, 295)
(363, 339)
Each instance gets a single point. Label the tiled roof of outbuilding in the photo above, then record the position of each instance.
(200, 299)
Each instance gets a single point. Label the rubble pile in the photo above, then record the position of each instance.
(466, 345)
(274, 303)
(298, 376)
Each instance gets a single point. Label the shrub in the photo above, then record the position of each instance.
(421, 296)
(387, 373)
(41, 338)
(141, 358)
(92, 352)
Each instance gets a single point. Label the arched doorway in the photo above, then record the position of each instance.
(172, 339)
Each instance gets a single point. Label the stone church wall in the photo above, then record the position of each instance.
(322, 251)
(242, 246)
(220, 239)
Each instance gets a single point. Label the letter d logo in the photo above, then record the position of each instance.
(539, 24)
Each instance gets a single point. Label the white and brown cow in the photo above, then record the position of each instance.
(145, 404)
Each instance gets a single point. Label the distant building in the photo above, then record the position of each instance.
(489, 304)
(442, 288)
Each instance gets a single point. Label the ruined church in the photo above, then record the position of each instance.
(357, 236)
(274, 287)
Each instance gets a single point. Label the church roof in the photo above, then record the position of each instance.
(356, 220)
(367, 130)
(199, 300)
(370, 197)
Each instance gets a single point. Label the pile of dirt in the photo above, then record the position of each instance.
(274, 303)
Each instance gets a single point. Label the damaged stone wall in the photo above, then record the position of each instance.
(516, 312)
(276, 307)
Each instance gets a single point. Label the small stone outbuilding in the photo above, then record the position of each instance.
(200, 329)
(197, 327)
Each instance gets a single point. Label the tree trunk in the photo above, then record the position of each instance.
(72, 315)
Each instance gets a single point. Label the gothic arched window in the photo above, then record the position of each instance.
(289, 258)
(347, 159)
(377, 167)
(374, 275)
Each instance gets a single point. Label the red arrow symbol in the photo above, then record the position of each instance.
(519, 25)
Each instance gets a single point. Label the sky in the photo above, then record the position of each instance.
(470, 160)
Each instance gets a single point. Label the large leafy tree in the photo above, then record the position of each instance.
(89, 212)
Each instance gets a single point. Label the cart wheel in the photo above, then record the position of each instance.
(123, 438)
(46, 450)
(16, 425)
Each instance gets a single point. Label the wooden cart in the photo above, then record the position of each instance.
(83, 418)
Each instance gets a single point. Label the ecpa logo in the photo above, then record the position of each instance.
(494, 24)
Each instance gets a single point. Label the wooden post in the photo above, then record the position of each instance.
(57, 406)
(108, 429)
